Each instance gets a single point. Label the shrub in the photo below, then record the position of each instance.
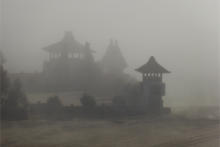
(54, 108)
(15, 104)
(87, 101)
(54, 102)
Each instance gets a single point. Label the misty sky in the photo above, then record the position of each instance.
(181, 34)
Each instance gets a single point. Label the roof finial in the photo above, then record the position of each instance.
(152, 67)
(152, 58)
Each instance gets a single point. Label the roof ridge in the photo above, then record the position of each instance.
(152, 66)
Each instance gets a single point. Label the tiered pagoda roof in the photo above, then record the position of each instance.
(152, 67)
(113, 57)
(67, 44)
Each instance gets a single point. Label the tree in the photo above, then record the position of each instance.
(15, 105)
(4, 81)
(87, 101)
(2, 58)
(54, 106)
(54, 102)
(13, 101)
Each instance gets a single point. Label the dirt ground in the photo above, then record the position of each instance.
(128, 132)
(197, 128)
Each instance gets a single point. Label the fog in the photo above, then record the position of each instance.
(181, 34)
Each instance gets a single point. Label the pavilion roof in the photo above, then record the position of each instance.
(113, 57)
(152, 67)
(67, 44)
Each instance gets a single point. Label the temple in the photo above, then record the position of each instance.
(71, 66)
(68, 59)
(67, 48)
(153, 87)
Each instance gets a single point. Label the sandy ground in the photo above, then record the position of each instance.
(132, 132)
(210, 143)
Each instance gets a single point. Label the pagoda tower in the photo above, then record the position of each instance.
(67, 63)
(153, 87)
(113, 60)
(68, 47)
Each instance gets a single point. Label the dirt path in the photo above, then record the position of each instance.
(135, 132)
(198, 137)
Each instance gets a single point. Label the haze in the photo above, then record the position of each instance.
(181, 34)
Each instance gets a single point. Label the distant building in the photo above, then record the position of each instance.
(153, 87)
(69, 64)
(71, 67)
(113, 61)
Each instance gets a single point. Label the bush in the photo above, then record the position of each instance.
(53, 105)
(87, 101)
(53, 108)
(54, 102)
(15, 104)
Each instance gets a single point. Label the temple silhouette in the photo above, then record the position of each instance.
(113, 60)
(70, 64)
(71, 67)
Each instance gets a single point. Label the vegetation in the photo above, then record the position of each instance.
(88, 101)
(54, 102)
(14, 105)
(13, 101)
